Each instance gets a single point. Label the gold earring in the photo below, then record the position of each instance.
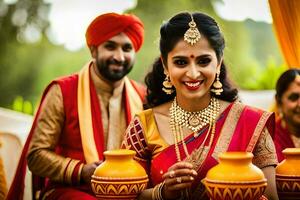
(167, 85)
(217, 86)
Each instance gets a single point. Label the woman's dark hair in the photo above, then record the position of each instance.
(170, 33)
(284, 82)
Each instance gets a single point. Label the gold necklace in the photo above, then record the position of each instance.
(178, 120)
(194, 121)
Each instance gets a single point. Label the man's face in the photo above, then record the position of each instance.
(115, 57)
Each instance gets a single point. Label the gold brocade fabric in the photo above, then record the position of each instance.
(286, 21)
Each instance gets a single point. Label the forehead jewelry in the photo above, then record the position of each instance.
(192, 35)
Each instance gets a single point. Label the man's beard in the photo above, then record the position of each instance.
(110, 74)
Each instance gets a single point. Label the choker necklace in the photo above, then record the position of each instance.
(179, 118)
(194, 120)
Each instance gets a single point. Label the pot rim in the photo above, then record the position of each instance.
(120, 178)
(234, 182)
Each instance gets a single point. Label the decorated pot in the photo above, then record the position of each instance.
(235, 178)
(119, 176)
(288, 175)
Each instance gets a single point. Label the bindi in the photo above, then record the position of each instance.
(192, 56)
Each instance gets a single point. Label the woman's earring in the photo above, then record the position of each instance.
(217, 86)
(167, 85)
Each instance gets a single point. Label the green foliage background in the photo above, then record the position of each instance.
(252, 54)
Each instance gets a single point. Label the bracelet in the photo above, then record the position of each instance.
(157, 192)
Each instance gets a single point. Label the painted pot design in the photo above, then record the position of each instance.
(235, 178)
(119, 176)
(288, 175)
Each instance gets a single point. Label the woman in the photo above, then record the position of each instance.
(194, 114)
(287, 133)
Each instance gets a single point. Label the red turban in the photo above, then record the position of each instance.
(108, 25)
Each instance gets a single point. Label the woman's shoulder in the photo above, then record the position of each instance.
(252, 112)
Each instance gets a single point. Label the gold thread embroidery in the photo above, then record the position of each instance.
(228, 129)
(258, 130)
(69, 171)
(79, 172)
(264, 150)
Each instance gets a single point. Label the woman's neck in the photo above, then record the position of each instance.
(293, 129)
(193, 104)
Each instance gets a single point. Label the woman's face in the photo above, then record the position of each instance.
(290, 104)
(192, 69)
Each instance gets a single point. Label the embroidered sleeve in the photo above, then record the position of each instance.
(42, 160)
(264, 151)
(134, 139)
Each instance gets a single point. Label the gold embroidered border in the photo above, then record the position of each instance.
(85, 116)
(258, 130)
(79, 172)
(69, 171)
(228, 129)
(265, 160)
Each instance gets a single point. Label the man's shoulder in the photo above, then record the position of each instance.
(139, 88)
(66, 83)
(67, 78)
(134, 82)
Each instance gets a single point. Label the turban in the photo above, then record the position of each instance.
(108, 25)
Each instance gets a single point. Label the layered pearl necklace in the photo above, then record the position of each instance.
(180, 118)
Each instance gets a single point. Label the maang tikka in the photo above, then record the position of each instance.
(192, 35)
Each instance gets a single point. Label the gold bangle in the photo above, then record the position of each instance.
(160, 188)
(157, 192)
(153, 194)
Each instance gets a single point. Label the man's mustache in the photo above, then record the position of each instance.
(117, 62)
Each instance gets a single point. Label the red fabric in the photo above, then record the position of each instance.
(64, 193)
(239, 142)
(97, 121)
(108, 25)
(75, 174)
(69, 144)
(282, 140)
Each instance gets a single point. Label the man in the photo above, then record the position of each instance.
(82, 115)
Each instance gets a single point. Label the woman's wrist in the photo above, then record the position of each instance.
(157, 192)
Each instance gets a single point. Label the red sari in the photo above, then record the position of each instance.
(282, 140)
(237, 129)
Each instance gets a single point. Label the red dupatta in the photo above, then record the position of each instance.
(282, 140)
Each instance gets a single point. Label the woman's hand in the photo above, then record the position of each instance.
(179, 177)
(88, 170)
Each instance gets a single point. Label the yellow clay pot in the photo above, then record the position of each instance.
(235, 178)
(119, 176)
(288, 175)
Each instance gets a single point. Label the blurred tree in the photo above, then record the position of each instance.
(22, 27)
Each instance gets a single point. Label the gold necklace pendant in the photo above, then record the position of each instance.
(194, 121)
